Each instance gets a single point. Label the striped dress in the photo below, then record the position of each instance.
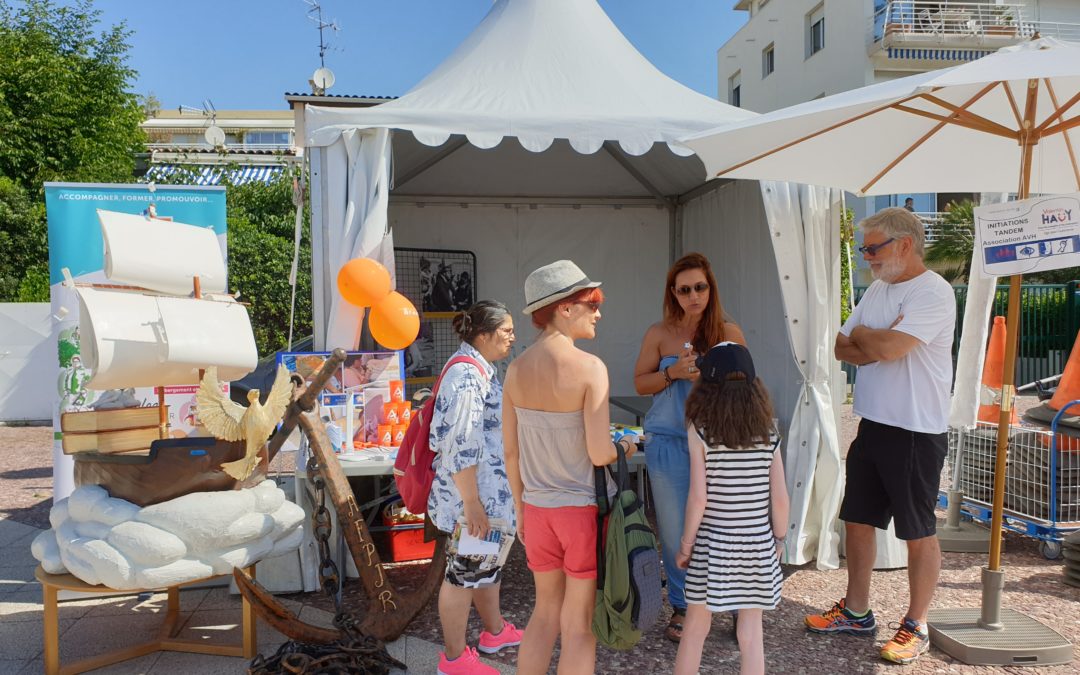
(734, 563)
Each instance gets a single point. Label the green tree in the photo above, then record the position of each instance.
(261, 220)
(66, 113)
(261, 224)
(23, 241)
(950, 254)
(65, 102)
(847, 237)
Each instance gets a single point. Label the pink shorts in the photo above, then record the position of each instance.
(562, 538)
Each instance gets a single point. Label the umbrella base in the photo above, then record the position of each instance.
(1020, 641)
(965, 537)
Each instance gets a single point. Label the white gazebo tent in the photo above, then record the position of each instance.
(546, 135)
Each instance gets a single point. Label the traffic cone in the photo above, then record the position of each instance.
(990, 391)
(1068, 388)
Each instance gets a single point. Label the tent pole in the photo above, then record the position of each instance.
(675, 227)
(451, 148)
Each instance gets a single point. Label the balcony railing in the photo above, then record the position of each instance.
(946, 21)
(935, 226)
(203, 146)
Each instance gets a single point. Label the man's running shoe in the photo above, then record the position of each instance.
(910, 642)
(840, 620)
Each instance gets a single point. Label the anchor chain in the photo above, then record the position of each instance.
(355, 652)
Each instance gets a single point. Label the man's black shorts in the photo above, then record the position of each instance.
(893, 473)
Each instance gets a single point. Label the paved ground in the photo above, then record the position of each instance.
(1033, 586)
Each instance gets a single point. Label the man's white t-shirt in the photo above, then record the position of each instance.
(911, 392)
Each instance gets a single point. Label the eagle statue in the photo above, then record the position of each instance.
(230, 421)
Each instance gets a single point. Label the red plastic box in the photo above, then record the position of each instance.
(404, 541)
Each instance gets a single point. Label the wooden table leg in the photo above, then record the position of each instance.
(52, 630)
(248, 626)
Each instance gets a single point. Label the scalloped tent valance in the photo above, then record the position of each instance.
(540, 70)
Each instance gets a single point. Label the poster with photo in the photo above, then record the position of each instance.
(439, 283)
(362, 377)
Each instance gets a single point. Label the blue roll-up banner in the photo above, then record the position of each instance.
(76, 246)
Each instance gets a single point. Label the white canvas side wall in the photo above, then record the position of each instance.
(28, 369)
(728, 226)
(625, 248)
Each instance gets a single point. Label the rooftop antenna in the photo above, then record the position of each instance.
(323, 78)
(214, 135)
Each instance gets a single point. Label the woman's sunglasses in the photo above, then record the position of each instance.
(699, 287)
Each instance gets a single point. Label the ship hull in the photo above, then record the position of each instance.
(174, 467)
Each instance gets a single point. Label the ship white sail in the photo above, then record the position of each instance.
(134, 339)
(138, 338)
(161, 255)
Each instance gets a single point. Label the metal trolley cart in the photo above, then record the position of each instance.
(1042, 480)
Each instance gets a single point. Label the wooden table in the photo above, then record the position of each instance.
(166, 640)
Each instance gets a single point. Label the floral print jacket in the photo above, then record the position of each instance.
(466, 430)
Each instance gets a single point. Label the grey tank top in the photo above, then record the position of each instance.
(555, 465)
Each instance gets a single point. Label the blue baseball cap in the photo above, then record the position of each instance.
(724, 359)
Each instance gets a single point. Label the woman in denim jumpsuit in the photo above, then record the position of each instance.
(693, 322)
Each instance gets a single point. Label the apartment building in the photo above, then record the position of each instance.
(791, 51)
(246, 145)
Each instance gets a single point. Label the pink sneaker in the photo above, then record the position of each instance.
(509, 637)
(466, 664)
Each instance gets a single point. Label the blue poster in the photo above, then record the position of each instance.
(77, 246)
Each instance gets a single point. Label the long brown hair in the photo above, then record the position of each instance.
(710, 329)
(736, 413)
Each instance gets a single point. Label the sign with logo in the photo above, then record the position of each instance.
(1032, 235)
(76, 246)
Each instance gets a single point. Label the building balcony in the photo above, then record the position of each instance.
(228, 147)
(935, 34)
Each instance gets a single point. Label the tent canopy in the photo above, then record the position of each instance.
(541, 71)
(596, 125)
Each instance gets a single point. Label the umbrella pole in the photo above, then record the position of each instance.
(991, 636)
(993, 577)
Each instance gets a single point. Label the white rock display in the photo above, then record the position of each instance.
(102, 540)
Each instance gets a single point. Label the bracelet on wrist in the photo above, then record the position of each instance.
(667, 375)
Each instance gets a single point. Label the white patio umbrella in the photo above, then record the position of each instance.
(998, 124)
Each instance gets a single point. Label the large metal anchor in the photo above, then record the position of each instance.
(389, 611)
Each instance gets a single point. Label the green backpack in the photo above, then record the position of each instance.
(628, 592)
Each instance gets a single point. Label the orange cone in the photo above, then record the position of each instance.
(1068, 389)
(990, 391)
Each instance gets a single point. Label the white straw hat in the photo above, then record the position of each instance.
(554, 282)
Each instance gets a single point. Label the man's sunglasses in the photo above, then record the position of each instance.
(699, 287)
(873, 249)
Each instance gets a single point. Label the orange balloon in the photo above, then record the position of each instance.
(394, 321)
(363, 282)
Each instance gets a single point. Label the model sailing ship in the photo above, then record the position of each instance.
(164, 321)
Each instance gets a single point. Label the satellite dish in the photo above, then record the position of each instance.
(323, 79)
(214, 135)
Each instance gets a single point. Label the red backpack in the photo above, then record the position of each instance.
(414, 468)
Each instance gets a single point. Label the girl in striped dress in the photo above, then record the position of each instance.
(737, 509)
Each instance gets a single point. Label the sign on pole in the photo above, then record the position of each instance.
(1031, 235)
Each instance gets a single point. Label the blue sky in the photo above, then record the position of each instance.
(245, 54)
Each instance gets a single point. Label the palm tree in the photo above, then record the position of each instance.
(950, 254)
